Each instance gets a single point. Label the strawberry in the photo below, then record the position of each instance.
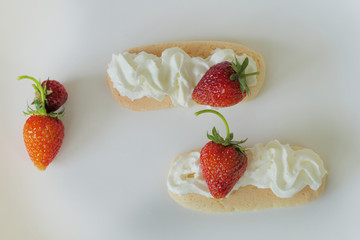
(223, 85)
(43, 137)
(223, 161)
(43, 131)
(56, 95)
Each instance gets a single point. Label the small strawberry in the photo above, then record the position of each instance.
(223, 161)
(43, 132)
(223, 85)
(56, 95)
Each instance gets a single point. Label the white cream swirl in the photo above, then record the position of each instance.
(175, 73)
(276, 166)
(185, 176)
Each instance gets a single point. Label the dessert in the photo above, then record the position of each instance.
(276, 175)
(164, 75)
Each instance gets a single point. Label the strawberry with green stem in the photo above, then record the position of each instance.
(43, 132)
(223, 161)
(223, 85)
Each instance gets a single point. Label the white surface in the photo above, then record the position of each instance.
(109, 179)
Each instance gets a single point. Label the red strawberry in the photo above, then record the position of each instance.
(43, 132)
(223, 161)
(56, 95)
(43, 137)
(223, 85)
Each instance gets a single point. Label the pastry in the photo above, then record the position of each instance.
(164, 75)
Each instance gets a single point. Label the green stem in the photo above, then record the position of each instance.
(41, 90)
(250, 74)
(221, 116)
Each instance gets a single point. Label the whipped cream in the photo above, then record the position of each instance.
(276, 166)
(175, 73)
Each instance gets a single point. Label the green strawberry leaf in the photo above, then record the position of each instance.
(243, 65)
(240, 74)
(236, 66)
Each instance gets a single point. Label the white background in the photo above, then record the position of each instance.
(109, 178)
